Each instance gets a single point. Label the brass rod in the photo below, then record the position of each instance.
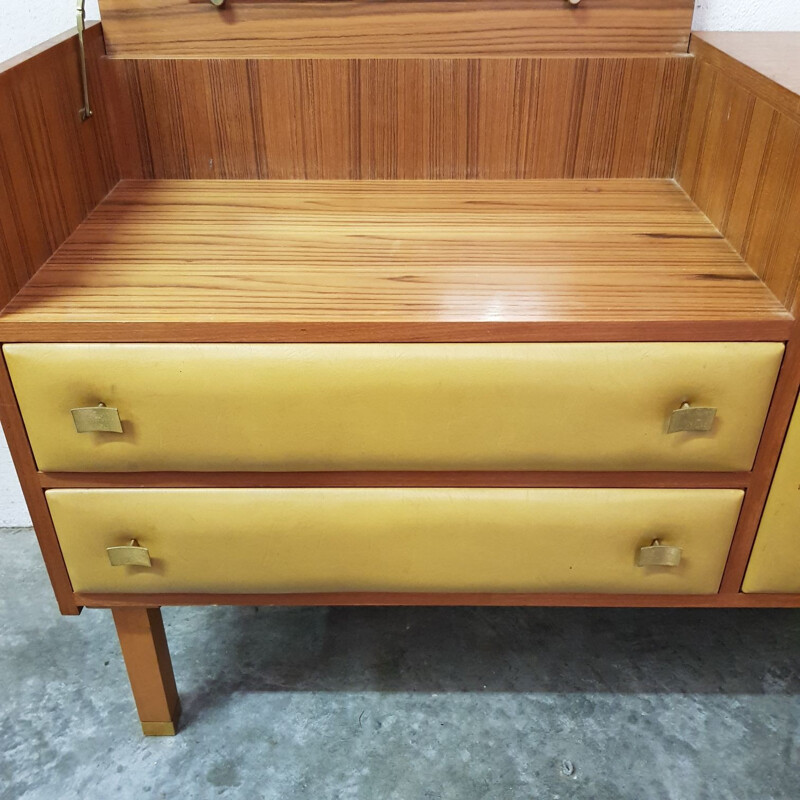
(86, 111)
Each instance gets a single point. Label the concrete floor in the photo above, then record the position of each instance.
(402, 704)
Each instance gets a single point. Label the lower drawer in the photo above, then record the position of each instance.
(395, 540)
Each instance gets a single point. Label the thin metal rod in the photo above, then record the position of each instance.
(86, 111)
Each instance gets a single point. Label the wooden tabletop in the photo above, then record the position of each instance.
(444, 260)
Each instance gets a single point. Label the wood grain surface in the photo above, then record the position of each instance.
(765, 63)
(315, 259)
(324, 28)
(431, 599)
(399, 119)
(54, 168)
(740, 162)
(144, 648)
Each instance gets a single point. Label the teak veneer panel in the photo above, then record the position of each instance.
(764, 63)
(324, 28)
(147, 660)
(740, 162)
(54, 168)
(319, 258)
(351, 119)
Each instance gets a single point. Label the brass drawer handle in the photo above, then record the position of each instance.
(691, 419)
(129, 555)
(96, 418)
(659, 555)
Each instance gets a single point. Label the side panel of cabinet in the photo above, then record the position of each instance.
(775, 562)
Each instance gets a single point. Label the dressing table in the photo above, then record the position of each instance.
(391, 302)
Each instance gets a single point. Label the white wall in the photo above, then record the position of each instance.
(12, 507)
(747, 15)
(26, 23)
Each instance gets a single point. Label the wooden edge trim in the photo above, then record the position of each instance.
(22, 456)
(91, 600)
(93, 29)
(758, 83)
(543, 480)
(577, 54)
(153, 28)
(777, 329)
(683, 136)
(769, 450)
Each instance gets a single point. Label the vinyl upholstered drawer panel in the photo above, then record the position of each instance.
(395, 540)
(294, 407)
(775, 561)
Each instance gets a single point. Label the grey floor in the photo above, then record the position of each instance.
(402, 704)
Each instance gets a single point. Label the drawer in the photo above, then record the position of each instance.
(281, 407)
(775, 562)
(395, 540)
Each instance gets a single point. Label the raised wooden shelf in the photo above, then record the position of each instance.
(445, 260)
(393, 28)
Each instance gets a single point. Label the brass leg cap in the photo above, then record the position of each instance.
(159, 728)
(169, 728)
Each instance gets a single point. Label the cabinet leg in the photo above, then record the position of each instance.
(144, 648)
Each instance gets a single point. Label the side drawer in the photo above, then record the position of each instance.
(775, 562)
(395, 540)
(282, 407)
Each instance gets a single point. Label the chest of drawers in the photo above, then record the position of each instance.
(402, 315)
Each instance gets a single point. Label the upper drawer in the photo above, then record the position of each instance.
(290, 407)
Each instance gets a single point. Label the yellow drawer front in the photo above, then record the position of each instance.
(402, 540)
(394, 406)
(775, 563)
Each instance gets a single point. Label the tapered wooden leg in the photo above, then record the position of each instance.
(144, 648)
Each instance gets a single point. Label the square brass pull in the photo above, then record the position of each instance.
(129, 555)
(691, 419)
(96, 418)
(659, 555)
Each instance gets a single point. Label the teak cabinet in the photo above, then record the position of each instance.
(402, 302)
